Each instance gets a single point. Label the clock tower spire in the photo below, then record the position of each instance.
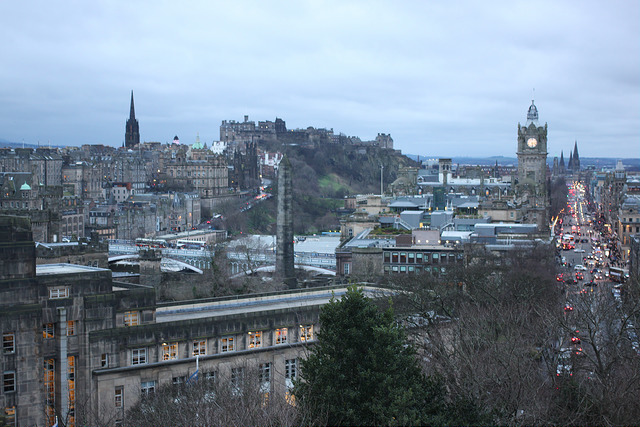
(532, 169)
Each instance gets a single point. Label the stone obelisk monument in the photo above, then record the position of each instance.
(285, 269)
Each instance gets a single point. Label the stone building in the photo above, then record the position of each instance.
(532, 170)
(45, 164)
(90, 252)
(81, 347)
(628, 223)
(194, 170)
(612, 193)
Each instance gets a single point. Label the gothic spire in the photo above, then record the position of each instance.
(561, 158)
(132, 112)
(132, 129)
(576, 158)
(570, 164)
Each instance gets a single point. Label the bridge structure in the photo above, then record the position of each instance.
(240, 260)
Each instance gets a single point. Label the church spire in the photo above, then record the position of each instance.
(576, 158)
(132, 111)
(132, 129)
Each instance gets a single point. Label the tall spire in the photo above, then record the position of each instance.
(576, 158)
(132, 112)
(532, 114)
(132, 129)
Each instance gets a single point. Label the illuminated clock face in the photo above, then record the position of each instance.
(532, 142)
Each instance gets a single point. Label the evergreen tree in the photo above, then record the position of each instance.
(362, 371)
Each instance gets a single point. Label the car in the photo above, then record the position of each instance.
(579, 276)
(568, 307)
(564, 362)
(570, 281)
(575, 340)
(559, 277)
(579, 250)
(580, 267)
(563, 369)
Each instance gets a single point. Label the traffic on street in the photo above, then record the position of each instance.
(591, 277)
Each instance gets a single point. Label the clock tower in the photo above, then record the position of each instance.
(532, 169)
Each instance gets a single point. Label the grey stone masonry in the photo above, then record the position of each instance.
(284, 225)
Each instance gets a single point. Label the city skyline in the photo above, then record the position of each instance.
(442, 81)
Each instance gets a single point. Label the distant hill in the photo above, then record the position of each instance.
(11, 144)
(597, 162)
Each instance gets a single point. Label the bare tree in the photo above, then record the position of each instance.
(605, 384)
(484, 328)
(215, 401)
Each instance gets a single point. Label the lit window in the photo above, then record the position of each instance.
(71, 328)
(71, 385)
(104, 360)
(49, 390)
(147, 387)
(281, 336)
(59, 292)
(227, 344)
(9, 381)
(255, 339)
(306, 332)
(8, 343)
(170, 351)
(10, 416)
(139, 356)
(47, 330)
(131, 318)
(199, 347)
(119, 396)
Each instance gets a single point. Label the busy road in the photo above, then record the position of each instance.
(591, 278)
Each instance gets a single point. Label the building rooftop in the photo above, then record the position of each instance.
(241, 305)
(51, 269)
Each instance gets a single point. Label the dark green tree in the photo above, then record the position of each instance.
(362, 371)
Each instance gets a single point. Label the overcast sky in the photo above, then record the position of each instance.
(444, 78)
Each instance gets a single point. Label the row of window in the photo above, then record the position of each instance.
(235, 380)
(17, 205)
(420, 257)
(170, 351)
(410, 269)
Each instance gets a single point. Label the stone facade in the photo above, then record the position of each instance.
(628, 223)
(532, 170)
(284, 224)
(83, 348)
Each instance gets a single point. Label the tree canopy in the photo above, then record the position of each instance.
(362, 371)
